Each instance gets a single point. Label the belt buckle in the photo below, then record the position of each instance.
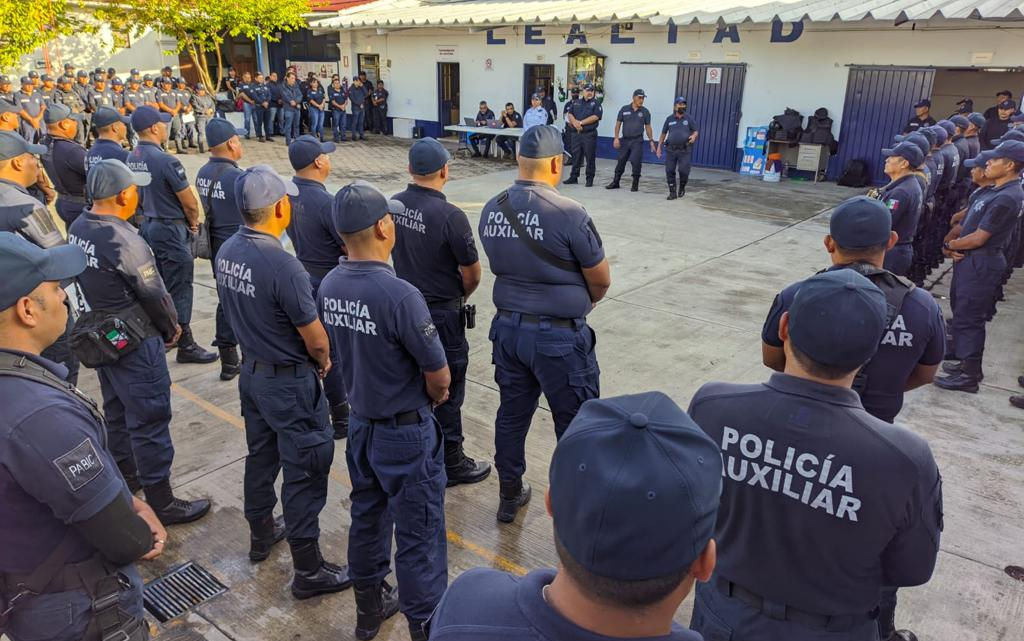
(23, 592)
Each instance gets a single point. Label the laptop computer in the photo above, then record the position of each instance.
(494, 124)
(469, 122)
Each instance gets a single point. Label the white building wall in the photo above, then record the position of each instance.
(806, 74)
(147, 53)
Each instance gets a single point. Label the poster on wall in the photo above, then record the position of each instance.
(323, 70)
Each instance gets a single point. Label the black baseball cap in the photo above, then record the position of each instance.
(219, 131)
(427, 156)
(922, 103)
(145, 117)
(360, 205)
(1007, 104)
(25, 266)
(907, 150)
(639, 92)
(862, 222)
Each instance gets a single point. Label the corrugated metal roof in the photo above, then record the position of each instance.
(424, 13)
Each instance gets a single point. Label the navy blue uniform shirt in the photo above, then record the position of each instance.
(950, 165)
(266, 295)
(995, 210)
(215, 183)
(260, 93)
(432, 240)
(916, 335)
(160, 196)
(65, 165)
(584, 108)
(120, 269)
(358, 97)
(317, 243)
(633, 120)
(103, 149)
(524, 282)
(678, 130)
(275, 93)
(935, 169)
(915, 123)
(317, 96)
(822, 503)
(291, 93)
(55, 471)
(21, 213)
(32, 103)
(337, 95)
(483, 116)
(382, 332)
(489, 604)
(903, 197)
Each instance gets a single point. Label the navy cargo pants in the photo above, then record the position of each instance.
(137, 406)
(718, 617)
(398, 480)
(973, 291)
(224, 336)
(334, 384)
(554, 356)
(677, 161)
(170, 244)
(584, 147)
(452, 332)
(631, 150)
(287, 429)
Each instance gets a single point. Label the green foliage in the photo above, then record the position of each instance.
(26, 26)
(201, 26)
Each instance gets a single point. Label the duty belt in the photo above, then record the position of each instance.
(682, 147)
(454, 304)
(293, 371)
(316, 270)
(71, 198)
(789, 613)
(533, 319)
(412, 417)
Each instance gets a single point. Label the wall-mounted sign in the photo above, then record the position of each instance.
(713, 76)
(447, 51)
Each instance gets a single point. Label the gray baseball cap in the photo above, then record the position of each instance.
(56, 112)
(13, 145)
(260, 186)
(110, 177)
(105, 116)
(25, 266)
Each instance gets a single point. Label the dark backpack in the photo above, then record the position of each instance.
(855, 174)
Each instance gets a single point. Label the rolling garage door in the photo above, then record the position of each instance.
(714, 94)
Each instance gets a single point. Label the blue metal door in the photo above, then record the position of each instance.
(879, 102)
(714, 95)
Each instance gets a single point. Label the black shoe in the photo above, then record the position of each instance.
(339, 419)
(262, 139)
(671, 192)
(416, 631)
(374, 605)
(959, 383)
(270, 139)
(1017, 401)
(902, 635)
(571, 181)
(229, 363)
(1020, 381)
(461, 469)
(952, 367)
(313, 575)
(682, 190)
(512, 496)
(613, 184)
(264, 534)
(476, 154)
(189, 351)
(172, 510)
(636, 184)
(590, 182)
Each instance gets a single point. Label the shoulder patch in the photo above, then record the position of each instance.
(148, 272)
(428, 329)
(179, 170)
(80, 465)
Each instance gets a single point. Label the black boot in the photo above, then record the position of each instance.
(229, 364)
(671, 192)
(178, 149)
(614, 184)
(189, 351)
(512, 496)
(956, 367)
(416, 631)
(461, 469)
(339, 418)
(170, 509)
(682, 189)
(589, 183)
(636, 184)
(571, 181)
(202, 147)
(374, 605)
(966, 381)
(264, 534)
(902, 635)
(313, 575)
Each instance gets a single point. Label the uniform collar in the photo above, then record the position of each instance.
(831, 394)
(534, 183)
(108, 219)
(306, 182)
(225, 160)
(365, 265)
(899, 180)
(55, 368)
(1009, 185)
(23, 190)
(248, 232)
(426, 191)
(146, 143)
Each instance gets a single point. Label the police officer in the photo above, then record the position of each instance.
(379, 98)
(248, 104)
(976, 121)
(10, 120)
(73, 530)
(64, 95)
(111, 132)
(337, 101)
(903, 198)
(584, 117)
(24, 214)
(64, 162)
(215, 183)
(318, 246)
(550, 108)
(6, 92)
(622, 559)
(483, 116)
(166, 72)
(394, 370)
(998, 123)
(291, 94)
(959, 141)
(550, 271)
(149, 91)
(846, 505)
(32, 108)
(117, 92)
(945, 203)
(677, 136)
(567, 131)
(171, 214)
(535, 115)
(135, 96)
(170, 103)
(33, 76)
(48, 87)
(357, 95)
(632, 121)
(188, 118)
(266, 298)
(910, 350)
(922, 116)
(979, 255)
(260, 93)
(204, 108)
(100, 95)
(435, 251)
(121, 278)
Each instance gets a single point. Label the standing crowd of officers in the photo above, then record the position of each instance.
(338, 342)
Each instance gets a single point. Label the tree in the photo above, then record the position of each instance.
(201, 26)
(26, 26)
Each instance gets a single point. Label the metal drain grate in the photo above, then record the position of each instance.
(179, 590)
